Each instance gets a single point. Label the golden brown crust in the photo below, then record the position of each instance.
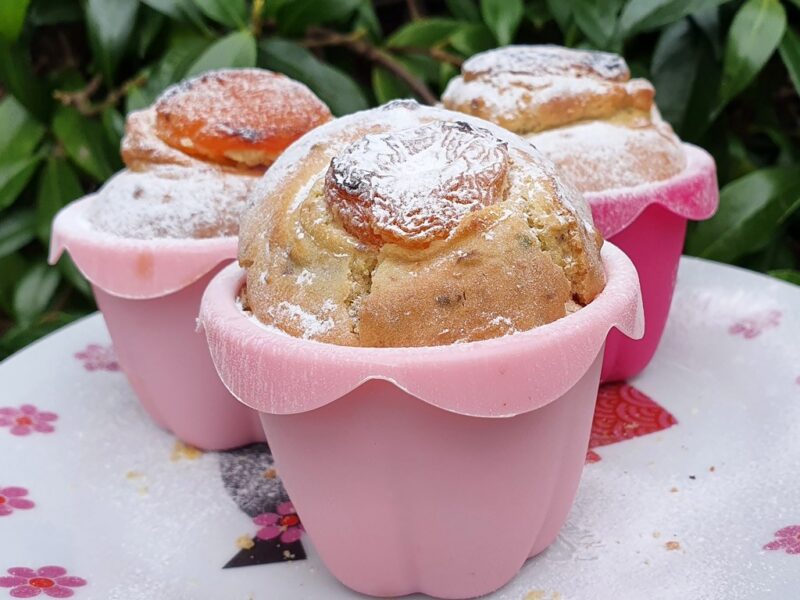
(471, 291)
(532, 88)
(508, 266)
(547, 91)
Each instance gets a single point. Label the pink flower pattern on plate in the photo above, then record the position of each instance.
(753, 326)
(284, 524)
(50, 581)
(12, 498)
(26, 419)
(98, 358)
(787, 539)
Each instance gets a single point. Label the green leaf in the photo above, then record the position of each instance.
(34, 292)
(423, 33)
(174, 9)
(58, 186)
(86, 143)
(388, 87)
(183, 11)
(562, 13)
(53, 12)
(446, 73)
(12, 268)
(646, 15)
(20, 133)
(15, 75)
(19, 336)
(707, 21)
(751, 210)
(272, 8)
(16, 230)
(422, 67)
(136, 99)
(788, 153)
(790, 53)
(14, 176)
(293, 18)
(503, 18)
(789, 275)
(700, 105)
(232, 13)
(471, 38)
(110, 24)
(755, 32)
(674, 69)
(235, 50)
(151, 23)
(334, 87)
(466, 10)
(367, 20)
(12, 17)
(114, 126)
(538, 13)
(597, 20)
(183, 49)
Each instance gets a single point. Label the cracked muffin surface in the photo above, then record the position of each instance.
(415, 226)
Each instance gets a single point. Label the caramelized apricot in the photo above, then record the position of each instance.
(413, 186)
(241, 117)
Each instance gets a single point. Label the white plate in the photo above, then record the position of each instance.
(688, 507)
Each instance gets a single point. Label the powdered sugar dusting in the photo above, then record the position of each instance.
(506, 95)
(171, 202)
(532, 88)
(306, 277)
(416, 184)
(332, 138)
(548, 60)
(608, 153)
(256, 321)
(310, 324)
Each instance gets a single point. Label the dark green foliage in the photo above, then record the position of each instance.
(727, 74)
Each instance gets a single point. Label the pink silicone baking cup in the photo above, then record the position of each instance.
(149, 292)
(648, 223)
(450, 465)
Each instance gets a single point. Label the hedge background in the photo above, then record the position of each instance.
(727, 75)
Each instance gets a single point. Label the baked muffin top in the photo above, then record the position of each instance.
(195, 154)
(412, 226)
(581, 108)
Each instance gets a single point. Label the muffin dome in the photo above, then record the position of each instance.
(193, 157)
(580, 108)
(412, 226)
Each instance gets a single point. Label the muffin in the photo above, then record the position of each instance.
(580, 108)
(193, 157)
(415, 226)
(151, 239)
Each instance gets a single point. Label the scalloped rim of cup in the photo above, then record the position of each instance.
(134, 268)
(274, 372)
(693, 194)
